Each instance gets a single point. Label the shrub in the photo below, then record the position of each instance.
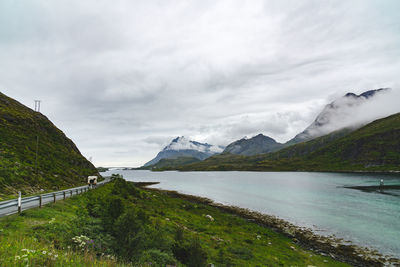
(129, 233)
(155, 257)
(190, 253)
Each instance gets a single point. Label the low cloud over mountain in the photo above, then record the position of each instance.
(351, 111)
(183, 147)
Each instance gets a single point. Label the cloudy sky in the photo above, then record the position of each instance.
(122, 78)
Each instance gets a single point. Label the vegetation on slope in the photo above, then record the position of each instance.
(374, 147)
(120, 224)
(170, 163)
(59, 162)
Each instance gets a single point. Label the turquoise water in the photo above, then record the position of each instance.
(314, 200)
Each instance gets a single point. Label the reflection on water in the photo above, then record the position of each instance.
(329, 203)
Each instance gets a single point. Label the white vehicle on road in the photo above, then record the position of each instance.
(92, 181)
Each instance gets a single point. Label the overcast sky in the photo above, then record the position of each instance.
(122, 78)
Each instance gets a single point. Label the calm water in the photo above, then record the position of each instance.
(314, 200)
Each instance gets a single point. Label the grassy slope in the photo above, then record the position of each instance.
(170, 163)
(33, 232)
(374, 147)
(59, 163)
(228, 240)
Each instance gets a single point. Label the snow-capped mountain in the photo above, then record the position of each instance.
(337, 115)
(258, 144)
(183, 147)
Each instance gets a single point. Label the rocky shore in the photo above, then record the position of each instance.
(332, 246)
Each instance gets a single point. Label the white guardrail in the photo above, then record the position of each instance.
(19, 204)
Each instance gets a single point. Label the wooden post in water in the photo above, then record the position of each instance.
(64, 194)
(54, 197)
(19, 202)
(40, 201)
(70, 192)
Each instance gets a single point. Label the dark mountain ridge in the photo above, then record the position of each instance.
(258, 144)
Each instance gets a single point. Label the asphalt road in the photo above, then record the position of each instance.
(11, 206)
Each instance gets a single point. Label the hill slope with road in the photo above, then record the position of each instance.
(23, 132)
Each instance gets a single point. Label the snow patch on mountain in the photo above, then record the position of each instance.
(183, 143)
(184, 147)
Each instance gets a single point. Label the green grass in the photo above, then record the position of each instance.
(31, 239)
(172, 225)
(59, 162)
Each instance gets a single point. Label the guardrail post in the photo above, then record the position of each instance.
(64, 194)
(19, 202)
(54, 197)
(40, 201)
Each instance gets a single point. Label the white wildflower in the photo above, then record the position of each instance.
(44, 252)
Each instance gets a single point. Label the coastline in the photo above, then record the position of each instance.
(389, 172)
(331, 246)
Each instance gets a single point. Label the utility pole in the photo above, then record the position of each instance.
(37, 109)
(37, 105)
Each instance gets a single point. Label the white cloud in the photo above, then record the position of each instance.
(111, 74)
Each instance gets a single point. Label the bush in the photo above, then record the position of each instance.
(124, 189)
(190, 253)
(130, 234)
(155, 257)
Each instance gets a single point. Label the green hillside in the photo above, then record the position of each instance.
(170, 163)
(374, 147)
(59, 162)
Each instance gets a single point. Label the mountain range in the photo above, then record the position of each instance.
(373, 147)
(334, 122)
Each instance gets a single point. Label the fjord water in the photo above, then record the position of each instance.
(314, 200)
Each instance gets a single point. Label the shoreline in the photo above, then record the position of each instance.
(390, 172)
(336, 248)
